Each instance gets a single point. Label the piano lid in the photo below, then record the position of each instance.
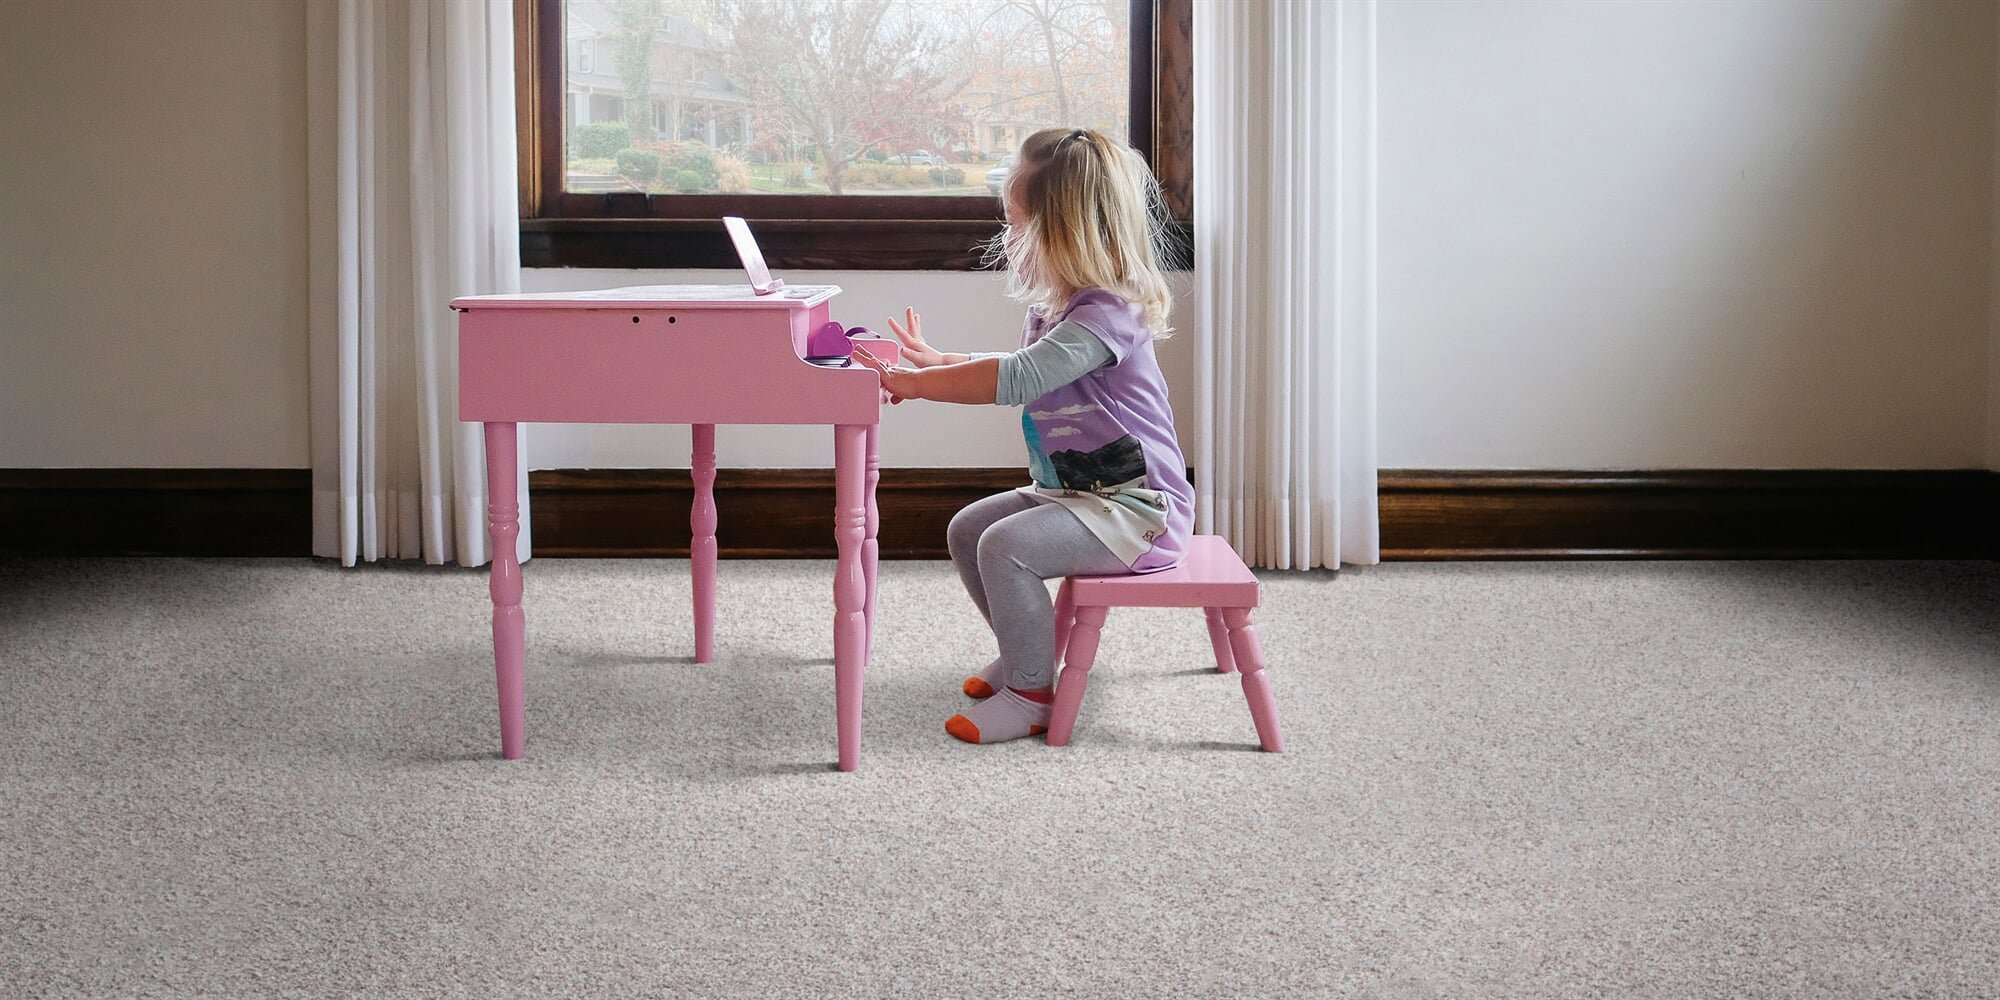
(735, 296)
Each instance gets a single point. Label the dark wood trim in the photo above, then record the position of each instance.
(561, 229)
(787, 513)
(1142, 104)
(156, 512)
(546, 71)
(1172, 139)
(788, 244)
(526, 107)
(760, 513)
(1688, 514)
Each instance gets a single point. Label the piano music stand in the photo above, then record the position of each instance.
(644, 355)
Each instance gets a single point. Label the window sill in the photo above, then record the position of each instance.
(788, 244)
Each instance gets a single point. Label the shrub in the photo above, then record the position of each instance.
(599, 140)
(638, 166)
(795, 175)
(876, 155)
(686, 155)
(688, 182)
(947, 176)
(885, 175)
(731, 174)
(866, 175)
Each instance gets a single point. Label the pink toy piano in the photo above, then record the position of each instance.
(647, 355)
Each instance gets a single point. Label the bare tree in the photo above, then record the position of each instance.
(1079, 38)
(841, 76)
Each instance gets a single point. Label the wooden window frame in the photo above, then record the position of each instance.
(805, 232)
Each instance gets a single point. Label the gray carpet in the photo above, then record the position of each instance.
(247, 778)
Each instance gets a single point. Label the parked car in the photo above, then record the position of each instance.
(997, 176)
(919, 158)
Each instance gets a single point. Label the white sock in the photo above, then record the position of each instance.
(987, 681)
(1005, 716)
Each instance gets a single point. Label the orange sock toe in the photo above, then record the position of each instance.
(962, 727)
(976, 688)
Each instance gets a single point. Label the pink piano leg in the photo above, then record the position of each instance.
(701, 544)
(510, 628)
(870, 550)
(850, 587)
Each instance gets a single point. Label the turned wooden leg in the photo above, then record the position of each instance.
(1065, 617)
(701, 543)
(850, 588)
(510, 625)
(1075, 676)
(870, 550)
(1256, 686)
(1218, 639)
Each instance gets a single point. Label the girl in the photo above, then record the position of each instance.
(1110, 491)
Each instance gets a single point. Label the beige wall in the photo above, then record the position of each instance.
(1613, 234)
(1622, 234)
(152, 204)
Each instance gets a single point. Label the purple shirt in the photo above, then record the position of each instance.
(1112, 427)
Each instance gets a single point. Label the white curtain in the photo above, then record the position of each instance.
(1284, 215)
(412, 201)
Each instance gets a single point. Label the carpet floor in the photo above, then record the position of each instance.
(281, 778)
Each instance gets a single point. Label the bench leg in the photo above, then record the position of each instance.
(1075, 676)
(1256, 686)
(1218, 639)
(1065, 617)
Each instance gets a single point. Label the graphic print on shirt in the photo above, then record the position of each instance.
(1039, 468)
(1117, 462)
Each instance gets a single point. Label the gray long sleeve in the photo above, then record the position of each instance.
(1064, 354)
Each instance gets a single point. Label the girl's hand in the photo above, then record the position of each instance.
(921, 355)
(898, 381)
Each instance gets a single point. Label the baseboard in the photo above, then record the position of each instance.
(760, 513)
(1689, 514)
(155, 512)
(787, 513)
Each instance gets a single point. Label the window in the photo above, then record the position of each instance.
(855, 133)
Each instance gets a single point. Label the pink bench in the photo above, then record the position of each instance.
(1211, 577)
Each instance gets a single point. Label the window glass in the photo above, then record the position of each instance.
(830, 97)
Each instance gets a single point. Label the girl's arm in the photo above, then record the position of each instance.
(918, 352)
(1062, 356)
(963, 382)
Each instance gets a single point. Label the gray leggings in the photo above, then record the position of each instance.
(1005, 546)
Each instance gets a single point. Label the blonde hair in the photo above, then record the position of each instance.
(1093, 218)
